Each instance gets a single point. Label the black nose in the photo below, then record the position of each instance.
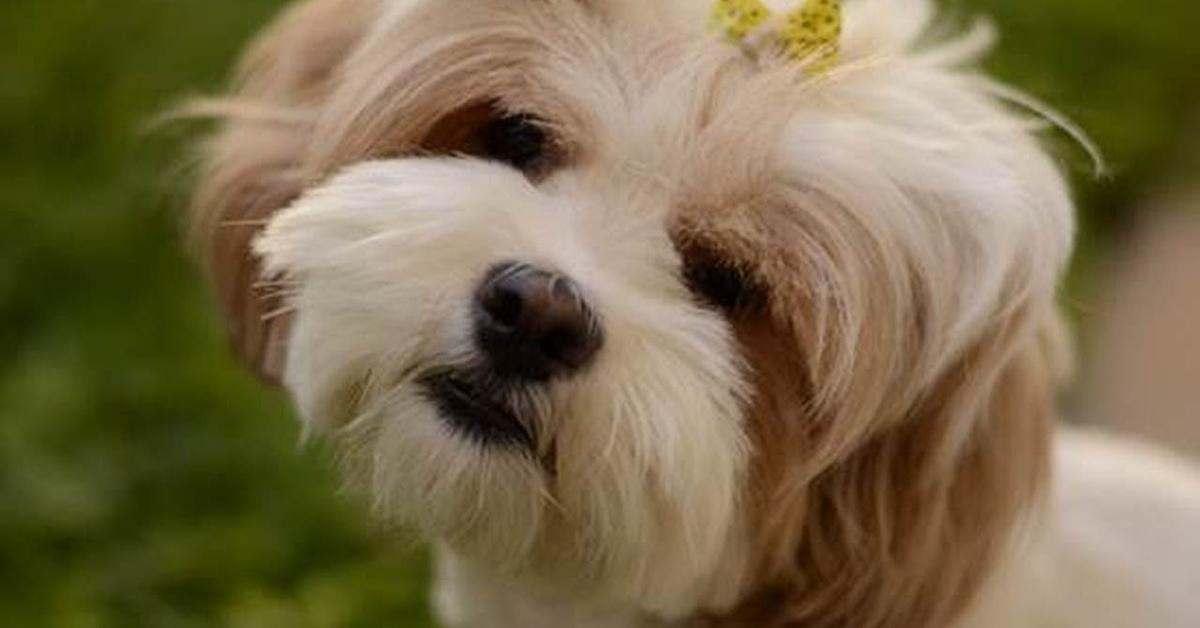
(533, 324)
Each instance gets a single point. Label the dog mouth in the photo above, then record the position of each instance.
(476, 409)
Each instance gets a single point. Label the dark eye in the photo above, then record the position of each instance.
(517, 140)
(722, 284)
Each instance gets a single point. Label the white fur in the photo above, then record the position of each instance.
(386, 258)
(1118, 548)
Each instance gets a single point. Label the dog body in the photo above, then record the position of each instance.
(1116, 548)
(647, 328)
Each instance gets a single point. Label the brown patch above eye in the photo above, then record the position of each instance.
(455, 132)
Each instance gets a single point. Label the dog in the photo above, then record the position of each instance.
(645, 324)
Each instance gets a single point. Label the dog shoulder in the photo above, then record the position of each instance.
(1120, 544)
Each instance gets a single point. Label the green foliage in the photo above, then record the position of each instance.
(1129, 74)
(144, 479)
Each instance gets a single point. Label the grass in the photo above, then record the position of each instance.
(144, 479)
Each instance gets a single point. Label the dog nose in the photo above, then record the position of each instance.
(534, 324)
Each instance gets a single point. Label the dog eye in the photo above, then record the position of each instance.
(518, 140)
(722, 285)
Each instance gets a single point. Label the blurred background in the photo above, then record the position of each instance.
(145, 480)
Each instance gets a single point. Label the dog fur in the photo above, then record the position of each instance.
(872, 445)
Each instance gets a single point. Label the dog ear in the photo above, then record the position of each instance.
(253, 164)
(899, 527)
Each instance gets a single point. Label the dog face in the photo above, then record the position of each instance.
(599, 300)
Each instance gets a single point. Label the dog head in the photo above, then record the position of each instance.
(597, 299)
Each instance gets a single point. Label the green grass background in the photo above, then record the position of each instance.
(144, 479)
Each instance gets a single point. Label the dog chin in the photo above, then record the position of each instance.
(588, 477)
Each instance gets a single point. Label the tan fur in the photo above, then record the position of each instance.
(893, 522)
(882, 536)
(254, 162)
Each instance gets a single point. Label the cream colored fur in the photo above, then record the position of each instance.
(871, 449)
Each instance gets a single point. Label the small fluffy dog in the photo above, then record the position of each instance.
(642, 326)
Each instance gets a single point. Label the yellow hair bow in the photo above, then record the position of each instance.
(810, 32)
